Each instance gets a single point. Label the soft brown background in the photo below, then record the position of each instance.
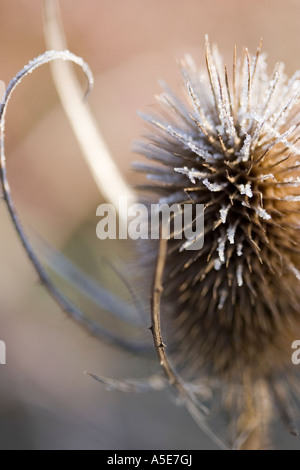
(45, 400)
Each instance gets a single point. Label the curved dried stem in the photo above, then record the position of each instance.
(183, 391)
(154, 383)
(45, 279)
(87, 286)
(94, 149)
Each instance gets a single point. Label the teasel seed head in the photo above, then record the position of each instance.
(231, 310)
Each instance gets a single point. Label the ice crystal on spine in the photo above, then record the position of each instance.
(234, 148)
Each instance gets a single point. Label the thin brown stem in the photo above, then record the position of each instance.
(197, 411)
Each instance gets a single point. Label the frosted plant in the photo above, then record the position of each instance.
(230, 311)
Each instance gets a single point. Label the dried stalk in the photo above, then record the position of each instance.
(184, 393)
(94, 149)
(153, 383)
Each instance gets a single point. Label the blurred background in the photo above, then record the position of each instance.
(46, 402)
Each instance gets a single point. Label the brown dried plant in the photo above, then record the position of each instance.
(230, 311)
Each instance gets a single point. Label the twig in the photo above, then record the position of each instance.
(95, 151)
(66, 305)
(197, 411)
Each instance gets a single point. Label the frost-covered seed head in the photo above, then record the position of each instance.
(232, 308)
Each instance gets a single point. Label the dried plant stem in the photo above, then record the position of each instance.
(94, 149)
(151, 384)
(185, 394)
(154, 383)
(87, 286)
(45, 279)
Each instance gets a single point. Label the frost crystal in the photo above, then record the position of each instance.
(223, 213)
(262, 213)
(217, 264)
(221, 249)
(245, 151)
(239, 249)
(267, 177)
(230, 233)
(239, 275)
(192, 174)
(214, 187)
(245, 189)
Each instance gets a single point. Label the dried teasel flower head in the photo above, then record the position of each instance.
(231, 309)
